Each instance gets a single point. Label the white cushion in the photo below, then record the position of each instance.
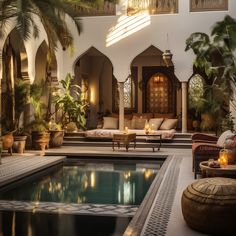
(155, 123)
(110, 123)
(224, 136)
(169, 124)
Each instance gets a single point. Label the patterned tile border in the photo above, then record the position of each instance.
(69, 208)
(158, 218)
(152, 217)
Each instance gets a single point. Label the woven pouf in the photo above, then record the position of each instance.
(209, 206)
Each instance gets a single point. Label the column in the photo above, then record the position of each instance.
(0, 106)
(121, 105)
(184, 106)
(140, 90)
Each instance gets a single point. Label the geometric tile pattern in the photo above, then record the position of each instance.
(69, 208)
(158, 217)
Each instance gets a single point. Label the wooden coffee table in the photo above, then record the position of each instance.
(226, 171)
(123, 138)
(155, 139)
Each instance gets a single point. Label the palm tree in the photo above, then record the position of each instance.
(51, 14)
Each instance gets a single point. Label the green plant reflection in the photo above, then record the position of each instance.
(75, 184)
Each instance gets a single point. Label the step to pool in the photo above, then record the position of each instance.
(77, 139)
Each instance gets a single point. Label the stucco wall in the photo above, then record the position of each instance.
(96, 30)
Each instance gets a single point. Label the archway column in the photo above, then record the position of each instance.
(121, 105)
(0, 105)
(184, 106)
(140, 92)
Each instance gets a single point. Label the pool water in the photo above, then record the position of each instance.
(83, 182)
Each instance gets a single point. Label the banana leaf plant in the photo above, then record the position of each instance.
(69, 100)
(215, 60)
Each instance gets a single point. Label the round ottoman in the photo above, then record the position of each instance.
(209, 206)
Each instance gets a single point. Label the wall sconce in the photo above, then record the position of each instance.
(92, 96)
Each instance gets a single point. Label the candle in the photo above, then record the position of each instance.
(126, 129)
(223, 157)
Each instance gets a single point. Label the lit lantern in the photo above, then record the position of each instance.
(126, 130)
(147, 128)
(224, 157)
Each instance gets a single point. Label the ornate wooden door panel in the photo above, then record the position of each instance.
(159, 94)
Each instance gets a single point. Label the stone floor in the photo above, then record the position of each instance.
(176, 225)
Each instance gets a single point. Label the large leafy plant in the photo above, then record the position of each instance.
(69, 100)
(215, 60)
(37, 91)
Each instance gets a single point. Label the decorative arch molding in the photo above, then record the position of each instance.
(168, 72)
(86, 51)
(16, 45)
(151, 51)
(44, 69)
(93, 71)
(14, 63)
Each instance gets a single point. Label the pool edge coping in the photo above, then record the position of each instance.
(140, 220)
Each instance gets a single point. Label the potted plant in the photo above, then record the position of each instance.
(69, 101)
(21, 89)
(56, 134)
(39, 126)
(7, 135)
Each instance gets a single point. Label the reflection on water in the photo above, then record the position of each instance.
(110, 184)
(41, 224)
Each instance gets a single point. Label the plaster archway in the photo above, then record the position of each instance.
(14, 68)
(93, 71)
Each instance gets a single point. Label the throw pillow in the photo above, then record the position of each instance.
(110, 123)
(224, 136)
(169, 124)
(155, 123)
(128, 123)
(138, 123)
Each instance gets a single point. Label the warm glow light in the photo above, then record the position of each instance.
(92, 96)
(126, 26)
(126, 130)
(92, 179)
(147, 128)
(127, 174)
(223, 157)
(147, 174)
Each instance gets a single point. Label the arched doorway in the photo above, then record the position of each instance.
(94, 73)
(46, 73)
(15, 70)
(158, 88)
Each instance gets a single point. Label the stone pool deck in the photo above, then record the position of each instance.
(18, 166)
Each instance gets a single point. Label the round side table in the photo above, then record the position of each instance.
(223, 171)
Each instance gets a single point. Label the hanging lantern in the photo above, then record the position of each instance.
(167, 57)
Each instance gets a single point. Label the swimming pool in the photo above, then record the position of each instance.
(86, 182)
(82, 197)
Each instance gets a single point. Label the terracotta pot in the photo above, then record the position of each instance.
(40, 140)
(56, 138)
(19, 144)
(7, 142)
